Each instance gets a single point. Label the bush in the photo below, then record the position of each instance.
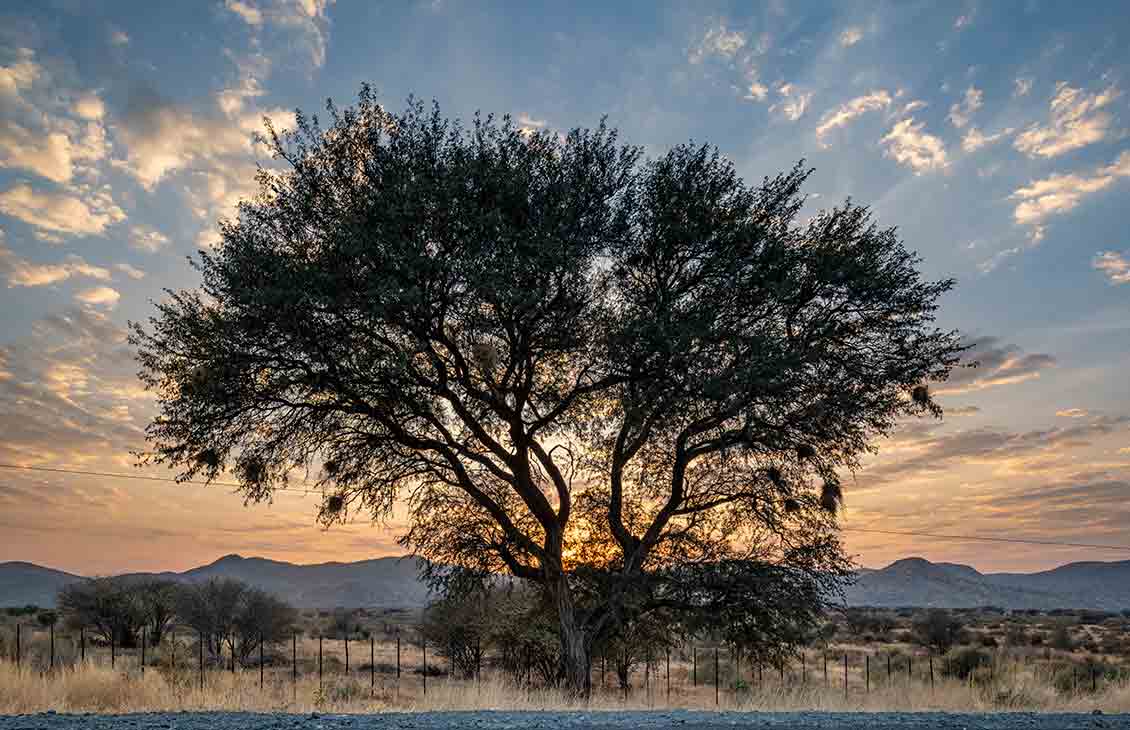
(1061, 638)
(964, 662)
(939, 630)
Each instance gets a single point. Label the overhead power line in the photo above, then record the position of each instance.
(987, 538)
(300, 490)
(113, 475)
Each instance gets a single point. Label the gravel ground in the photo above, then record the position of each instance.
(564, 721)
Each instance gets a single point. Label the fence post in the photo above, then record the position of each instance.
(867, 672)
(51, 629)
(909, 670)
(1094, 681)
(888, 669)
(82, 644)
(319, 661)
(398, 658)
(647, 672)
(931, 672)
(372, 664)
(294, 666)
(716, 696)
(425, 667)
(260, 663)
(825, 669)
(173, 633)
(845, 676)
(143, 643)
(17, 647)
(803, 670)
(668, 675)
(113, 651)
(347, 652)
(694, 660)
(200, 636)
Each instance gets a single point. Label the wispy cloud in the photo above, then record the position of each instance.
(1077, 120)
(962, 111)
(1115, 265)
(847, 112)
(908, 144)
(998, 363)
(793, 102)
(851, 36)
(718, 40)
(1060, 193)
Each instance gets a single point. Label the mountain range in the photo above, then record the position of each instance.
(393, 583)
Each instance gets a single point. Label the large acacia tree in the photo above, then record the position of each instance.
(589, 370)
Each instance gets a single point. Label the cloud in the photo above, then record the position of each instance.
(963, 21)
(851, 36)
(1061, 193)
(145, 238)
(306, 22)
(130, 271)
(991, 263)
(249, 13)
(62, 213)
(1115, 265)
(974, 139)
(999, 364)
(794, 102)
(1072, 413)
(908, 145)
(918, 454)
(845, 113)
(961, 112)
(1021, 86)
(962, 411)
(162, 138)
(99, 296)
(23, 273)
(89, 107)
(45, 128)
(119, 38)
(717, 41)
(1076, 121)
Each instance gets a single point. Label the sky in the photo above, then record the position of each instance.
(993, 135)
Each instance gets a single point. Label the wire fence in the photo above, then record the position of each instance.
(407, 661)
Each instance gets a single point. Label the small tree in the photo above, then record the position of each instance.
(939, 630)
(107, 606)
(157, 600)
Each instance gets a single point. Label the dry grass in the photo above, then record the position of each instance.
(91, 687)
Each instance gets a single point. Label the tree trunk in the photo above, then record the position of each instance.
(575, 642)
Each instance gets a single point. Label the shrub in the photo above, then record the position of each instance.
(939, 630)
(963, 662)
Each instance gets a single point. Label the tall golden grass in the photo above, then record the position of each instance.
(95, 687)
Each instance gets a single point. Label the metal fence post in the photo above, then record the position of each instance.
(173, 645)
(716, 696)
(372, 664)
(113, 651)
(51, 630)
(425, 647)
(931, 672)
(18, 647)
(867, 672)
(143, 643)
(803, 671)
(668, 675)
(845, 676)
(294, 666)
(319, 662)
(398, 657)
(909, 669)
(825, 669)
(260, 663)
(200, 636)
(888, 668)
(82, 644)
(347, 652)
(694, 660)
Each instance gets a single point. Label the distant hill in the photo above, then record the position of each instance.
(392, 583)
(23, 584)
(918, 582)
(379, 583)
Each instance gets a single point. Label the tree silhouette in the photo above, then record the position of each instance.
(575, 366)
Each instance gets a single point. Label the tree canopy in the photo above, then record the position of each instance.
(634, 382)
